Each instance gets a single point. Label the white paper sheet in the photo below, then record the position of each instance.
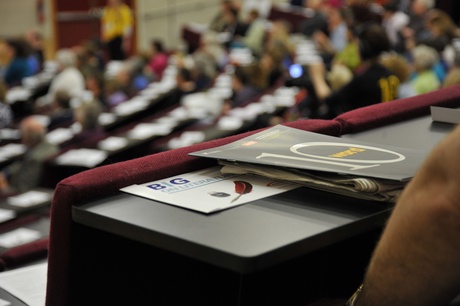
(18, 237)
(27, 284)
(29, 198)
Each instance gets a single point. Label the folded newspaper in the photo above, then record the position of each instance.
(359, 187)
(358, 169)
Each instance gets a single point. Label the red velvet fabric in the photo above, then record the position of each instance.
(107, 180)
(25, 253)
(374, 116)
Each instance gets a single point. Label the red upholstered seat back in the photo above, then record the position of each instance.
(25, 253)
(395, 111)
(107, 180)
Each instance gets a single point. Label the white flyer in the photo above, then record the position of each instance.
(209, 190)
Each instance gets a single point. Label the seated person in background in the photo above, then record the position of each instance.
(36, 58)
(329, 44)
(114, 93)
(267, 71)
(87, 115)
(255, 35)
(158, 59)
(69, 79)
(61, 112)
(349, 55)
(25, 174)
(218, 23)
(210, 56)
(233, 26)
(399, 65)
(278, 40)
(186, 84)
(424, 59)
(393, 22)
(95, 83)
(374, 84)
(17, 53)
(6, 114)
(243, 90)
(317, 20)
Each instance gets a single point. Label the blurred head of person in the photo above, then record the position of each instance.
(424, 58)
(373, 40)
(66, 58)
(32, 130)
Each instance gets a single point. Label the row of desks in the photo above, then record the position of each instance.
(249, 255)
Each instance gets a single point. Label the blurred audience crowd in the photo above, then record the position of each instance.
(365, 52)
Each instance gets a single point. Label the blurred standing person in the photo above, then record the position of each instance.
(116, 28)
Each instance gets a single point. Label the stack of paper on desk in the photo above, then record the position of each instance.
(352, 168)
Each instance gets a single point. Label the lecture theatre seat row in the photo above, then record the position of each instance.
(107, 180)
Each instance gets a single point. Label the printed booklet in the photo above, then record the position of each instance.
(209, 190)
(291, 148)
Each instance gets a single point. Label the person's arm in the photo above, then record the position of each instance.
(417, 260)
(317, 73)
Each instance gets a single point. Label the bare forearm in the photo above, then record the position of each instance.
(417, 259)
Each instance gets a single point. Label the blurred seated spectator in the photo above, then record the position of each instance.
(95, 83)
(218, 23)
(364, 11)
(158, 59)
(317, 20)
(210, 57)
(243, 90)
(90, 56)
(17, 53)
(335, 40)
(61, 113)
(393, 21)
(114, 94)
(35, 39)
(416, 32)
(278, 40)
(265, 72)
(349, 55)
(443, 30)
(424, 59)
(234, 27)
(25, 174)
(255, 34)
(6, 114)
(87, 116)
(374, 84)
(69, 79)
(400, 66)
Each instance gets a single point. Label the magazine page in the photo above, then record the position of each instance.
(209, 190)
(283, 146)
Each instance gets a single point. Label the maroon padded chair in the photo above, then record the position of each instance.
(382, 114)
(107, 180)
(25, 254)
